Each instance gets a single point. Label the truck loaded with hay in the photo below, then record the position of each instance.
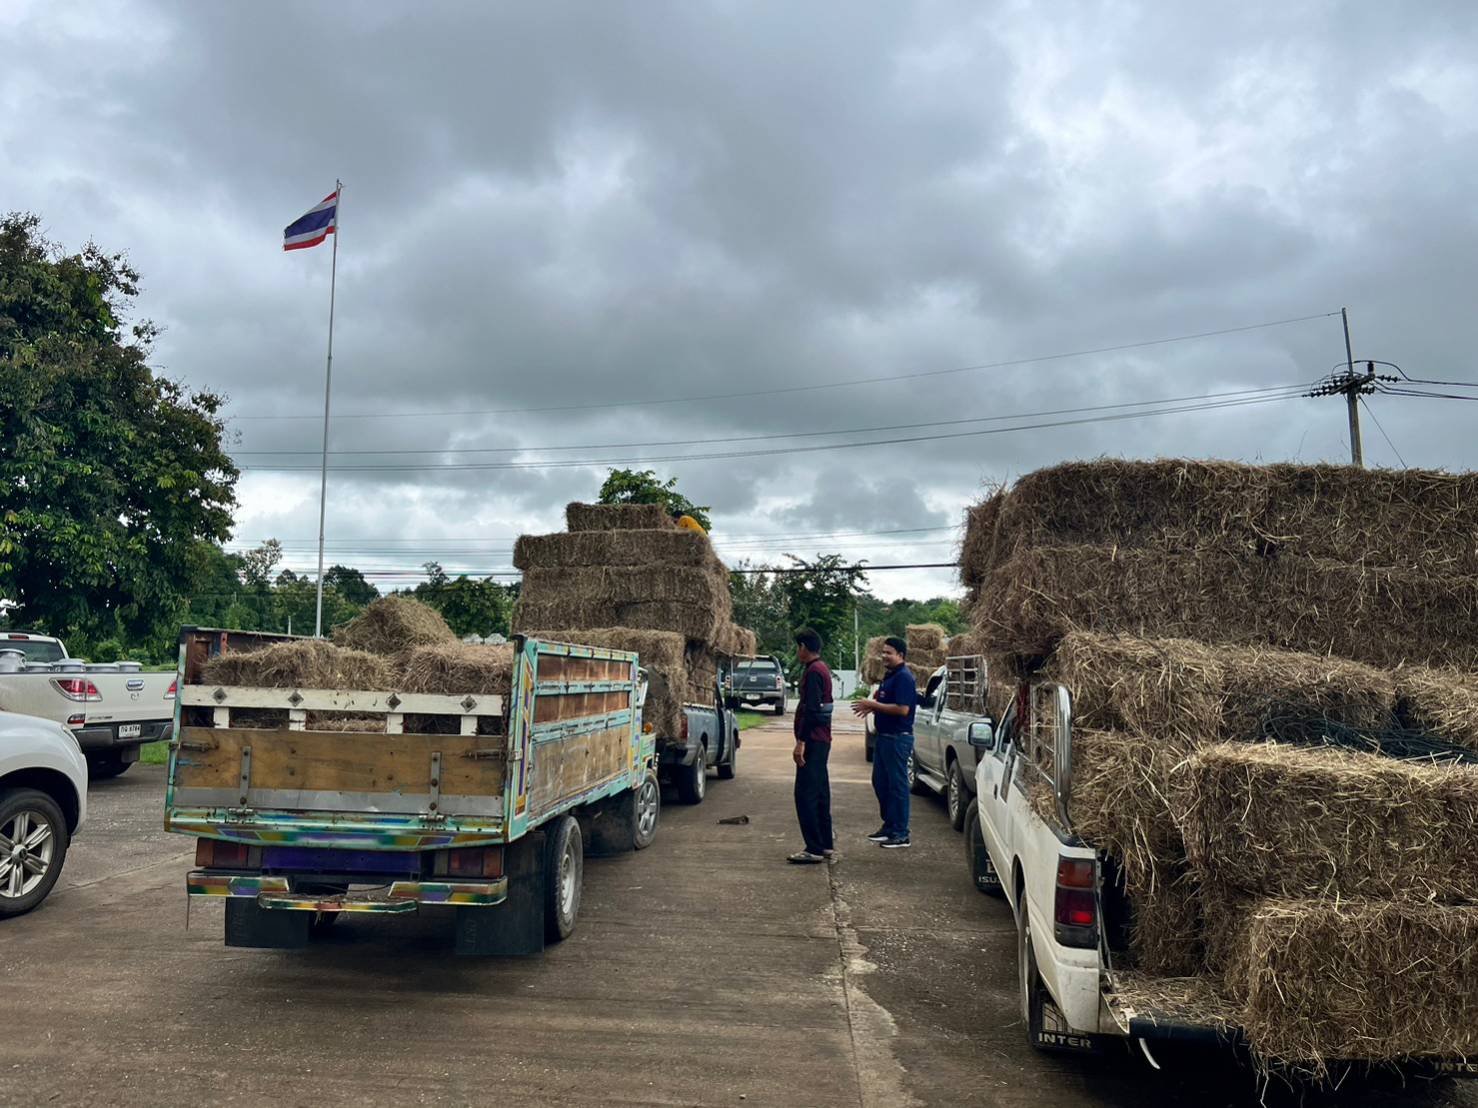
(1234, 794)
(398, 770)
(625, 576)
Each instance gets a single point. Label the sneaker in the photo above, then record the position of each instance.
(805, 858)
(895, 843)
(882, 834)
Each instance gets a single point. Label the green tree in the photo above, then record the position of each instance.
(820, 594)
(350, 584)
(110, 476)
(761, 606)
(631, 486)
(471, 606)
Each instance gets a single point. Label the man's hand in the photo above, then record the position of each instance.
(799, 753)
(864, 707)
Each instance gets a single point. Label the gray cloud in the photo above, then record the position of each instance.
(597, 203)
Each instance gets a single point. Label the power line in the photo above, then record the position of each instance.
(596, 462)
(1371, 413)
(777, 435)
(791, 390)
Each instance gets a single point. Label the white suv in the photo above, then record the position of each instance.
(43, 801)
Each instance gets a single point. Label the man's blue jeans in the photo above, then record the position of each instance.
(890, 781)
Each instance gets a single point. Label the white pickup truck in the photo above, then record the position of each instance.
(112, 708)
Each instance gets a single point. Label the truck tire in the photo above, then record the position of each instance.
(692, 781)
(629, 821)
(780, 708)
(101, 767)
(33, 820)
(727, 770)
(248, 924)
(1029, 981)
(915, 786)
(956, 799)
(982, 871)
(564, 872)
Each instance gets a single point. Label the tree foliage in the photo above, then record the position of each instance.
(470, 605)
(113, 481)
(631, 486)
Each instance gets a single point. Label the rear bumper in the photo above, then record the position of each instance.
(275, 892)
(99, 737)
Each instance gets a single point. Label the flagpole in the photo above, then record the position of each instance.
(328, 378)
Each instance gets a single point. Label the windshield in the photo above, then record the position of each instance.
(758, 667)
(36, 650)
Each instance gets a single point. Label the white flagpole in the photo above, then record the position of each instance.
(328, 378)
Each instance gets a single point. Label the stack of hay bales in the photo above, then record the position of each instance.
(926, 650)
(627, 576)
(1196, 609)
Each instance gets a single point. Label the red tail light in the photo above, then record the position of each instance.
(213, 854)
(76, 688)
(77, 720)
(682, 731)
(475, 862)
(780, 680)
(173, 691)
(1075, 907)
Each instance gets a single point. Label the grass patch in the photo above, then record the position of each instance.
(746, 720)
(154, 754)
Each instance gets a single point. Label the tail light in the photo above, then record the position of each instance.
(1075, 907)
(77, 720)
(76, 688)
(780, 680)
(213, 854)
(173, 690)
(682, 731)
(471, 862)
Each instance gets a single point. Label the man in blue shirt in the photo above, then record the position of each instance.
(892, 709)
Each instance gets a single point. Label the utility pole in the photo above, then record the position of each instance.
(856, 655)
(1351, 386)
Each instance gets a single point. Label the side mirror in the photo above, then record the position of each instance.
(982, 735)
(926, 701)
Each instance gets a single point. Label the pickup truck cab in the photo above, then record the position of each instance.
(43, 802)
(757, 682)
(112, 708)
(709, 736)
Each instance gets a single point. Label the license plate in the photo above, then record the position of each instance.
(130, 730)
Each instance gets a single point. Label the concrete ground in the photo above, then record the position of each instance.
(704, 971)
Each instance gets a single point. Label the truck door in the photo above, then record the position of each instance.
(995, 823)
(928, 746)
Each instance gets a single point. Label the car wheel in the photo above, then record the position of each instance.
(103, 766)
(727, 770)
(564, 872)
(1028, 980)
(648, 812)
(914, 784)
(780, 708)
(692, 781)
(33, 846)
(977, 858)
(954, 795)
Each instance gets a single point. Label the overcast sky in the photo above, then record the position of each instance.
(576, 225)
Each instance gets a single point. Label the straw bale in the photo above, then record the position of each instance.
(301, 664)
(453, 669)
(977, 550)
(1443, 702)
(706, 586)
(1383, 617)
(1288, 821)
(690, 621)
(654, 648)
(1353, 980)
(925, 638)
(613, 548)
(921, 675)
(873, 670)
(394, 624)
(1416, 519)
(617, 517)
(736, 641)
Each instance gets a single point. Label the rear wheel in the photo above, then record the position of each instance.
(1029, 981)
(914, 784)
(100, 767)
(629, 821)
(564, 872)
(780, 708)
(33, 846)
(692, 781)
(954, 794)
(983, 873)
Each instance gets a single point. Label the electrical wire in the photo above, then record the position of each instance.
(1371, 412)
(794, 389)
(718, 456)
(315, 451)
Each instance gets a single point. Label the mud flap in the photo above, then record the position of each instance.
(517, 925)
(1055, 1034)
(250, 925)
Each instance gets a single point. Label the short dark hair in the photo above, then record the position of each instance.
(809, 639)
(897, 644)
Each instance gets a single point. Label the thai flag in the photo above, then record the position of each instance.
(314, 226)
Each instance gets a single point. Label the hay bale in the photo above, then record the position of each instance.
(977, 551)
(691, 622)
(1442, 702)
(453, 669)
(617, 517)
(301, 664)
(707, 586)
(873, 670)
(394, 624)
(653, 648)
(1360, 980)
(613, 548)
(1414, 519)
(736, 641)
(1383, 617)
(925, 638)
(1270, 819)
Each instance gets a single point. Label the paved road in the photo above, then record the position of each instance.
(704, 971)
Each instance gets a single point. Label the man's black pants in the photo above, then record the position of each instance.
(813, 797)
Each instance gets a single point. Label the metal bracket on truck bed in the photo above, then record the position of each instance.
(245, 772)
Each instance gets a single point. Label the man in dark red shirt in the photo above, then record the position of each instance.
(812, 749)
